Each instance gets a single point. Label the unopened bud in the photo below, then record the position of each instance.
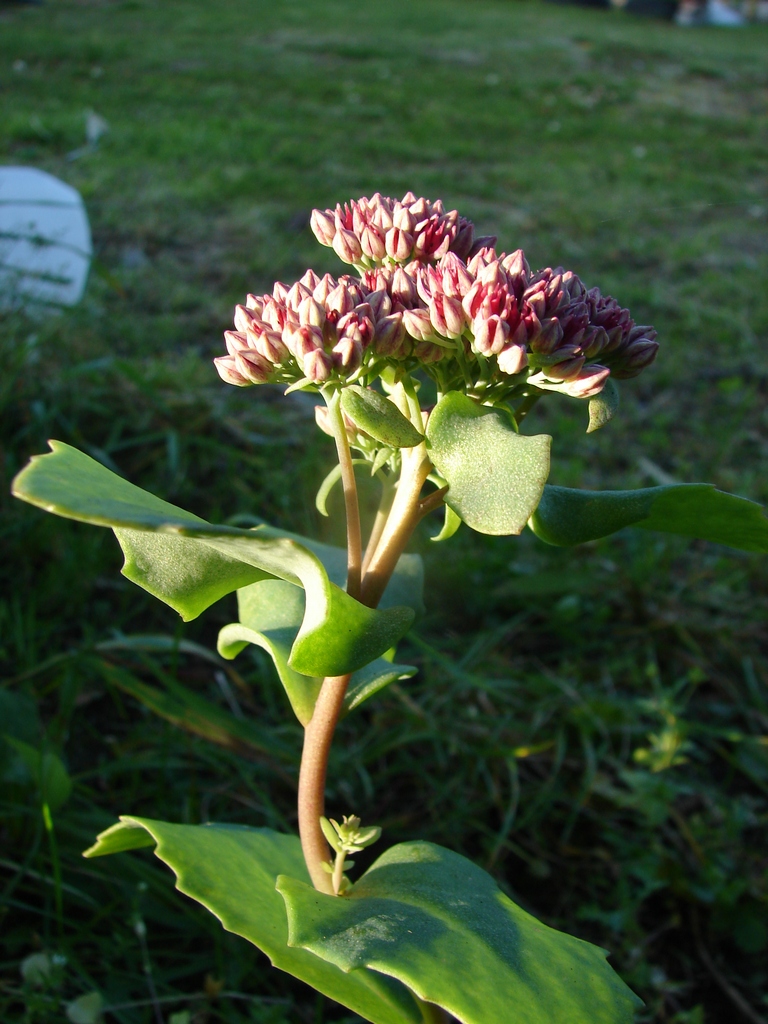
(372, 242)
(447, 316)
(390, 334)
(270, 345)
(235, 341)
(346, 246)
(548, 338)
(310, 279)
(254, 367)
(323, 227)
(398, 244)
(348, 353)
(256, 303)
(639, 355)
(300, 341)
(512, 359)
(490, 335)
(403, 287)
(311, 312)
(380, 303)
(225, 367)
(317, 365)
(418, 324)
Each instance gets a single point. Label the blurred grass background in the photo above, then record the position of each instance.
(590, 725)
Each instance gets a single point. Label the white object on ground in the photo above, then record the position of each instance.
(45, 239)
(719, 13)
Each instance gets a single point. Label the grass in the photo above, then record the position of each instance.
(589, 725)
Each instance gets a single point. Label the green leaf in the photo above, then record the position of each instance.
(202, 562)
(47, 770)
(231, 870)
(195, 714)
(495, 475)
(603, 407)
(439, 924)
(566, 516)
(451, 523)
(321, 500)
(86, 1009)
(379, 417)
(270, 615)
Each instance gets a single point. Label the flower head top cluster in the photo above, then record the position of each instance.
(429, 294)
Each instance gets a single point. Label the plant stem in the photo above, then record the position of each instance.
(314, 765)
(354, 537)
(402, 520)
(382, 514)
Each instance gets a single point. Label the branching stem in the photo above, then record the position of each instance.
(352, 509)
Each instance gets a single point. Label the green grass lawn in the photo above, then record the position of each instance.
(589, 725)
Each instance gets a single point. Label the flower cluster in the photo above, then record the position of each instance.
(365, 232)
(430, 294)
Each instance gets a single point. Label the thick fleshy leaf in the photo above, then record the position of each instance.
(603, 407)
(231, 870)
(379, 417)
(495, 475)
(270, 615)
(566, 516)
(439, 924)
(337, 635)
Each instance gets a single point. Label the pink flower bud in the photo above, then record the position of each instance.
(357, 325)
(324, 288)
(418, 324)
(235, 341)
(372, 242)
(270, 345)
(322, 419)
(590, 381)
(256, 303)
(513, 359)
(426, 352)
(516, 265)
(310, 280)
(490, 336)
(418, 208)
(380, 303)
(323, 226)
(279, 291)
(447, 316)
(390, 335)
(300, 341)
(398, 244)
(311, 312)
(403, 288)
(225, 367)
(244, 317)
(339, 302)
(317, 365)
(346, 245)
(275, 314)
(454, 276)
(254, 367)
(403, 219)
(348, 354)
(296, 296)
